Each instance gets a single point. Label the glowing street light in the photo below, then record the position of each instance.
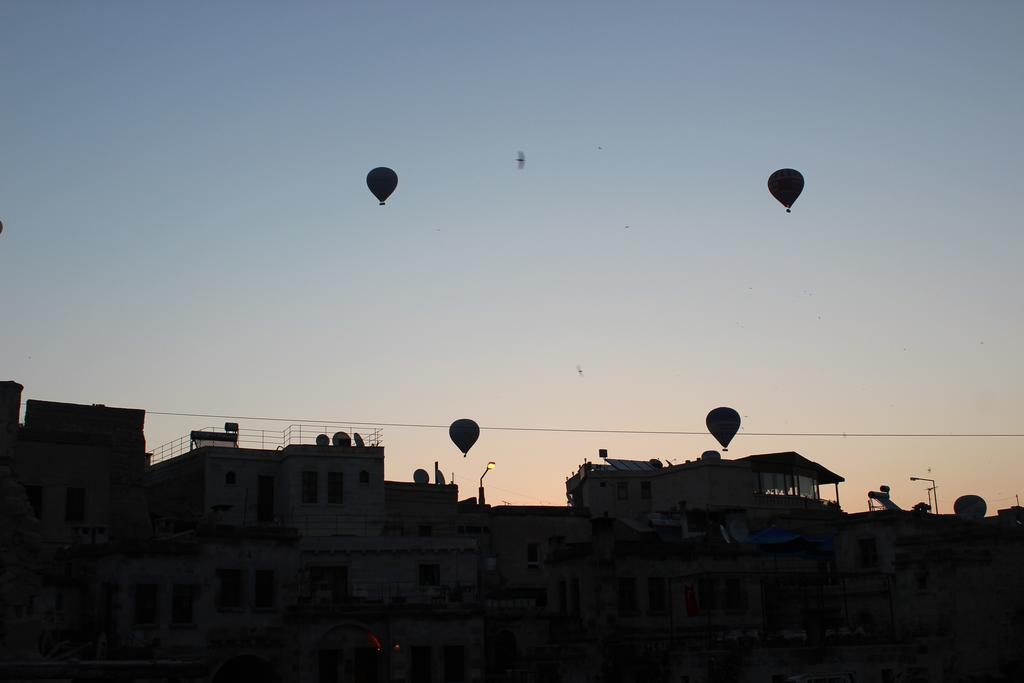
(490, 466)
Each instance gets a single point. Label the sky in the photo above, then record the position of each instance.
(187, 227)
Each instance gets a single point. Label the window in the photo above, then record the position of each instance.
(706, 593)
(623, 490)
(454, 664)
(74, 505)
(735, 594)
(645, 490)
(309, 487)
(264, 498)
(263, 589)
(230, 479)
(229, 588)
(807, 487)
(329, 585)
(364, 477)
(532, 555)
(656, 594)
(430, 575)
(145, 603)
(182, 596)
(868, 553)
(35, 499)
(334, 488)
(627, 594)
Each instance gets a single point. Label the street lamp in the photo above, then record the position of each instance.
(931, 491)
(490, 466)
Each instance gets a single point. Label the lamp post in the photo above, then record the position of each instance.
(932, 490)
(490, 466)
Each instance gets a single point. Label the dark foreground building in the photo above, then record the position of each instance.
(244, 555)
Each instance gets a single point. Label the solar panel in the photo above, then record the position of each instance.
(630, 465)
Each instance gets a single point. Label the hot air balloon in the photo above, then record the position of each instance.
(382, 181)
(786, 185)
(723, 423)
(464, 434)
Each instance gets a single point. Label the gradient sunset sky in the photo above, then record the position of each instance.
(187, 226)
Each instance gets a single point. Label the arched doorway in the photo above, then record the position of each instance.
(248, 668)
(350, 653)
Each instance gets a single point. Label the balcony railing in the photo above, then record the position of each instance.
(269, 439)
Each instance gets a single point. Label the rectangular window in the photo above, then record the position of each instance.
(229, 588)
(868, 553)
(309, 487)
(454, 664)
(430, 575)
(334, 488)
(74, 505)
(532, 555)
(181, 603)
(645, 490)
(145, 603)
(421, 664)
(706, 593)
(265, 498)
(328, 585)
(263, 589)
(735, 594)
(627, 594)
(656, 601)
(623, 490)
(35, 499)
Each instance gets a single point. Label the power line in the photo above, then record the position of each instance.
(575, 430)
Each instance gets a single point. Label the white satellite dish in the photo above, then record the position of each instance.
(970, 507)
(736, 525)
(421, 477)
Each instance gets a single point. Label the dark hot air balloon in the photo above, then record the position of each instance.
(382, 181)
(723, 423)
(464, 434)
(786, 185)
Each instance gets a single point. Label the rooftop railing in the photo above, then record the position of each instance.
(265, 439)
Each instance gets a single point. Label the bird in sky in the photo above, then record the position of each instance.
(521, 160)
(579, 370)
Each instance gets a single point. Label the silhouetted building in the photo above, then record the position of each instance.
(243, 555)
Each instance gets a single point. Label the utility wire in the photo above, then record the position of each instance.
(573, 430)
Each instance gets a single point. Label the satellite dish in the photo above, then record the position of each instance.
(421, 477)
(970, 507)
(322, 440)
(655, 463)
(341, 439)
(710, 455)
(439, 477)
(736, 525)
(358, 439)
(464, 434)
(723, 423)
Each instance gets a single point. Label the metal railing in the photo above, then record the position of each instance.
(268, 439)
